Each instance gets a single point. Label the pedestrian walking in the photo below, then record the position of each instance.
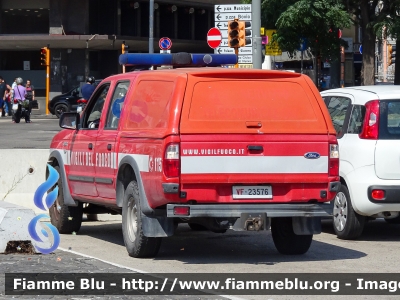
(7, 103)
(30, 95)
(3, 104)
(19, 93)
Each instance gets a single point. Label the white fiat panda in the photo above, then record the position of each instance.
(367, 122)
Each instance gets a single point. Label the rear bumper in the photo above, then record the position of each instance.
(361, 181)
(392, 193)
(236, 210)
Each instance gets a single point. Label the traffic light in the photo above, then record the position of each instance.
(124, 48)
(391, 54)
(45, 56)
(237, 33)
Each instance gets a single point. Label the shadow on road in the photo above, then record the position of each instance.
(377, 230)
(232, 247)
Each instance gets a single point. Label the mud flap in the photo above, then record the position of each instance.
(252, 222)
(306, 226)
(157, 226)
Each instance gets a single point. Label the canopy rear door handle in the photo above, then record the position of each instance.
(255, 148)
(253, 124)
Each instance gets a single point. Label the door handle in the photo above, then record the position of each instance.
(90, 146)
(255, 148)
(109, 147)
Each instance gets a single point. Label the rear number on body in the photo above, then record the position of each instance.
(252, 192)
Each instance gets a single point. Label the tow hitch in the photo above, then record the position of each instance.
(251, 222)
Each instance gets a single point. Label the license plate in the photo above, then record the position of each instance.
(252, 192)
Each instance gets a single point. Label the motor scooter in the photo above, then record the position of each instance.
(81, 105)
(20, 109)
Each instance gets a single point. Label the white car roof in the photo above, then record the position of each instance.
(363, 94)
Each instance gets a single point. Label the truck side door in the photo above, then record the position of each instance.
(105, 150)
(82, 167)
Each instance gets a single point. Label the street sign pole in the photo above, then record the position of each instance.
(256, 25)
(237, 55)
(151, 27)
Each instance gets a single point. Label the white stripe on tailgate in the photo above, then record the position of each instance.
(252, 164)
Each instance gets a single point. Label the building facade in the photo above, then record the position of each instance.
(85, 36)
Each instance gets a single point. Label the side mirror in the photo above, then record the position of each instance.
(70, 120)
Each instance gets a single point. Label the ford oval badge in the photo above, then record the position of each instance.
(312, 155)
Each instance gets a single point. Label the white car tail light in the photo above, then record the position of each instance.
(333, 160)
(172, 161)
(370, 128)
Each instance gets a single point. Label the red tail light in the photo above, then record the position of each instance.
(370, 128)
(172, 163)
(15, 101)
(378, 194)
(333, 160)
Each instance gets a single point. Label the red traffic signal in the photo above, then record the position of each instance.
(237, 33)
(45, 56)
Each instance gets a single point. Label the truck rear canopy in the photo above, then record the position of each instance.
(259, 105)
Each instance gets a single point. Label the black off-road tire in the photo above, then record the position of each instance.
(394, 220)
(285, 240)
(353, 224)
(136, 243)
(67, 219)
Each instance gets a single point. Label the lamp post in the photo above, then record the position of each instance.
(151, 27)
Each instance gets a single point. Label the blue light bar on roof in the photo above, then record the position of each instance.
(177, 59)
(214, 59)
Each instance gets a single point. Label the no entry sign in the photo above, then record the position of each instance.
(214, 37)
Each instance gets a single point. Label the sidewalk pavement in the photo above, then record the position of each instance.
(40, 113)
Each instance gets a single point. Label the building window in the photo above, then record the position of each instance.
(24, 21)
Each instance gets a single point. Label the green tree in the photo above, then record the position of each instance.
(388, 23)
(366, 14)
(317, 21)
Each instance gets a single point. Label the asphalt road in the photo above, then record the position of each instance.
(205, 252)
(241, 252)
(35, 135)
(103, 250)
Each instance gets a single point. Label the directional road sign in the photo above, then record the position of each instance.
(232, 8)
(231, 16)
(224, 43)
(165, 43)
(226, 13)
(245, 59)
(227, 50)
(222, 25)
(214, 37)
(225, 33)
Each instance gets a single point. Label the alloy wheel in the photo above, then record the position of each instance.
(340, 211)
(132, 219)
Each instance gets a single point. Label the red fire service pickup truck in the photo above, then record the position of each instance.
(217, 148)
